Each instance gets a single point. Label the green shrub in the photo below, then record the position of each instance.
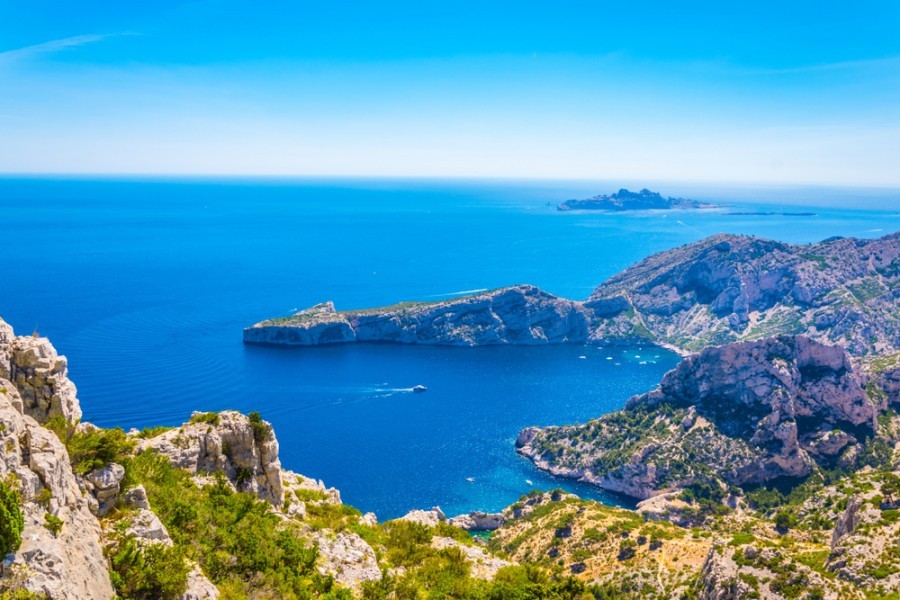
(53, 523)
(12, 521)
(152, 432)
(148, 571)
(260, 431)
(240, 544)
(211, 418)
(96, 449)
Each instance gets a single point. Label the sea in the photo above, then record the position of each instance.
(146, 283)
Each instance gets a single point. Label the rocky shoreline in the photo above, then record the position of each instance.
(743, 413)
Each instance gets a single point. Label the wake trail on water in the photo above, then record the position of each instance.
(460, 293)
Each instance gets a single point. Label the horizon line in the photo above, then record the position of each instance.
(437, 177)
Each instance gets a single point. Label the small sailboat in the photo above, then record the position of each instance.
(419, 388)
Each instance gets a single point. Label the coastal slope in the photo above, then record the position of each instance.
(727, 288)
(740, 414)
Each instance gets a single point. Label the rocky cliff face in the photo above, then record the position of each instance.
(68, 564)
(515, 315)
(747, 412)
(727, 288)
(39, 374)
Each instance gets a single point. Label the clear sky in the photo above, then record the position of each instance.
(787, 91)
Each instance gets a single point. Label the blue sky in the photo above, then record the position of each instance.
(786, 92)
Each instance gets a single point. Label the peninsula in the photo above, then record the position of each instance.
(725, 288)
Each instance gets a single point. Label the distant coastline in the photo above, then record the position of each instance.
(763, 213)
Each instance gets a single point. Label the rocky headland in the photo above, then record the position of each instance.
(721, 289)
(740, 414)
(628, 200)
(515, 315)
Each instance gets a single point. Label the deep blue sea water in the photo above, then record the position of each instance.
(146, 284)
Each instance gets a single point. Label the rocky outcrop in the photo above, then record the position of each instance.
(478, 521)
(103, 485)
(745, 413)
(482, 564)
(515, 315)
(425, 517)
(68, 564)
(866, 540)
(41, 376)
(7, 336)
(719, 578)
(725, 288)
(246, 451)
(348, 558)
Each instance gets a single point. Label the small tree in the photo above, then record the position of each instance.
(783, 520)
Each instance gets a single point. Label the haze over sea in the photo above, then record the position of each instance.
(145, 286)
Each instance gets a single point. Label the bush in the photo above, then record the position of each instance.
(12, 521)
(260, 431)
(784, 520)
(151, 432)
(240, 544)
(211, 418)
(96, 449)
(53, 523)
(148, 571)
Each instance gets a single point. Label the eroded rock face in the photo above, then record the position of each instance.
(515, 315)
(41, 376)
(348, 558)
(245, 452)
(747, 412)
(727, 288)
(70, 564)
(6, 339)
(719, 579)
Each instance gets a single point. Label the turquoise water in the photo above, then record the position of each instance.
(146, 284)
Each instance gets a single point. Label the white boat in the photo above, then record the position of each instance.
(529, 482)
(470, 479)
(419, 388)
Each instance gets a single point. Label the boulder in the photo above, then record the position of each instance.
(105, 486)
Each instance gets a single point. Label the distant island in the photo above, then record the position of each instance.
(628, 200)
